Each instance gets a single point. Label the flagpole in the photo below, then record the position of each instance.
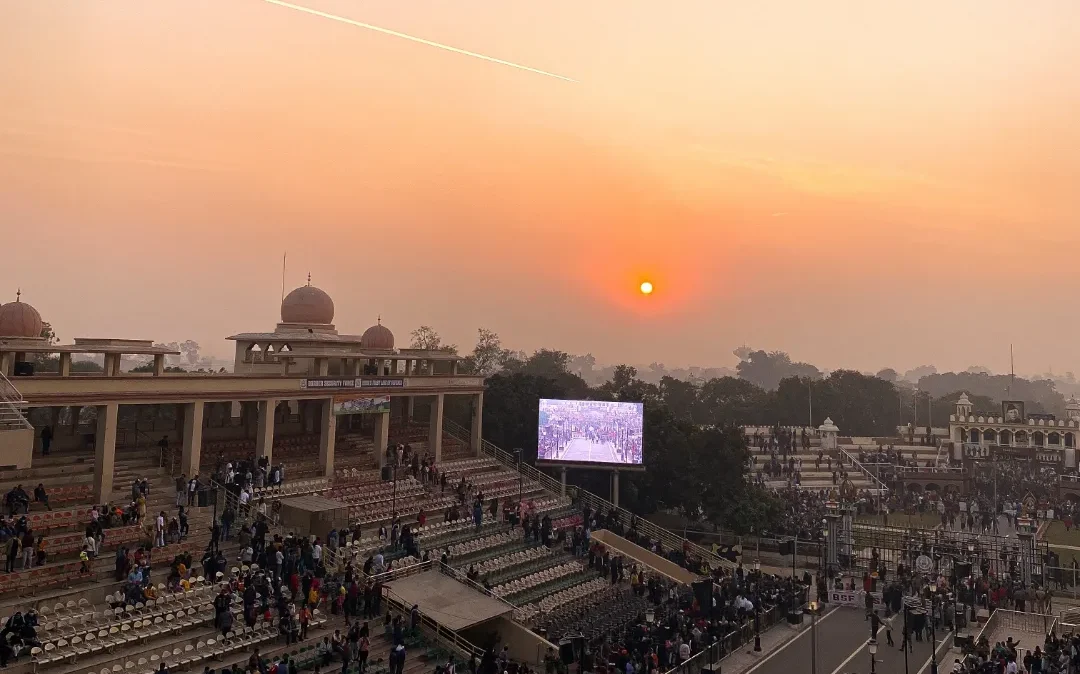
(283, 257)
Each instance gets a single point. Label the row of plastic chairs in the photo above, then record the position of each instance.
(479, 544)
(536, 579)
(578, 593)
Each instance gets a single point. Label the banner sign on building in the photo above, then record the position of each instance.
(361, 405)
(350, 382)
(380, 382)
(328, 382)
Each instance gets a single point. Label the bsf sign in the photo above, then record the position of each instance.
(845, 598)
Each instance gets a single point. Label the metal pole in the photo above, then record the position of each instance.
(813, 642)
(933, 636)
(907, 645)
(393, 507)
(810, 390)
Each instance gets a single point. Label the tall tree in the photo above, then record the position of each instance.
(426, 338)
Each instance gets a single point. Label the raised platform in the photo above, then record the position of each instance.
(452, 604)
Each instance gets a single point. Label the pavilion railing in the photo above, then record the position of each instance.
(669, 539)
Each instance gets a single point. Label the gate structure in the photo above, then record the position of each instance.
(938, 551)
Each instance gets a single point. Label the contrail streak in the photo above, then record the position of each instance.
(412, 38)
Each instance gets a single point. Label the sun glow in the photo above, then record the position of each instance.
(646, 288)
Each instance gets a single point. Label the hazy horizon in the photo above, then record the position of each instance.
(860, 184)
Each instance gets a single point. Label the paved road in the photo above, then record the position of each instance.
(841, 638)
(580, 449)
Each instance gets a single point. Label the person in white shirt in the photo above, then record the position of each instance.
(684, 652)
(316, 552)
(159, 530)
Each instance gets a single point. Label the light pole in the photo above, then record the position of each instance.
(905, 642)
(813, 606)
(393, 506)
(521, 479)
(872, 647)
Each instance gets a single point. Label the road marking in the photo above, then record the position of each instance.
(776, 652)
(944, 642)
(857, 651)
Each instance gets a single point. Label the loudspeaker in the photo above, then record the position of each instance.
(703, 593)
(23, 369)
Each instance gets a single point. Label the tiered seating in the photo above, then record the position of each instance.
(83, 632)
(292, 488)
(514, 560)
(66, 543)
(577, 594)
(539, 579)
(610, 610)
(480, 545)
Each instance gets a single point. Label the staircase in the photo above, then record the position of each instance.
(12, 407)
(16, 433)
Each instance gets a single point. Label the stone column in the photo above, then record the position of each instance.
(327, 436)
(65, 364)
(159, 364)
(410, 409)
(76, 411)
(236, 409)
(562, 481)
(615, 488)
(112, 364)
(476, 436)
(435, 424)
(191, 451)
(264, 438)
(105, 452)
(322, 366)
(7, 364)
(382, 437)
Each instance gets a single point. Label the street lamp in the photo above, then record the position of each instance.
(649, 616)
(813, 606)
(872, 646)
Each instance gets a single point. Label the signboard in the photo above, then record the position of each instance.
(855, 598)
(380, 382)
(1013, 411)
(328, 382)
(361, 405)
(350, 382)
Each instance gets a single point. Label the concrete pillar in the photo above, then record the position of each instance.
(382, 437)
(327, 436)
(65, 364)
(410, 409)
(615, 488)
(112, 364)
(322, 367)
(562, 482)
(7, 364)
(105, 452)
(192, 443)
(264, 440)
(435, 424)
(476, 436)
(453, 367)
(159, 364)
(236, 409)
(76, 411)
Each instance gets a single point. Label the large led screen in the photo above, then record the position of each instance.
(589, 431)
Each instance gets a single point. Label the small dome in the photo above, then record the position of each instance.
(307, 305)
(19, 319)
(377, 336)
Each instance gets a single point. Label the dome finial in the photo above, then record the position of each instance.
(379, 319)
(18, 294)
(309, 278)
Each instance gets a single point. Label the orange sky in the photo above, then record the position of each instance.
(864, 184)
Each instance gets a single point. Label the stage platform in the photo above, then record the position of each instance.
(452, 604)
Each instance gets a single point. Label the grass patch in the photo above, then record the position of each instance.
(1056, 535)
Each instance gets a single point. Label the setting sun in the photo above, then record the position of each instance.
(646, 288)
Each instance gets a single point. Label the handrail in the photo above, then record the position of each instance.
(462, 578)
(430, 625)
(668, 538)
(12, 401)
(855, 463)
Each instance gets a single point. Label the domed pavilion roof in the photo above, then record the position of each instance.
(377, 336)
(20, 320)
(307, 305)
